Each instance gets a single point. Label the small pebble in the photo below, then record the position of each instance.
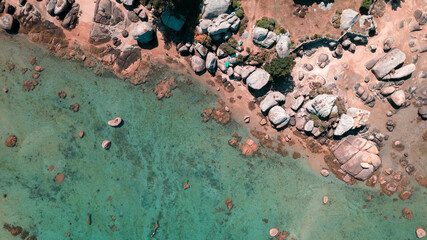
(325, 199)
(247, 119)
(81, 134)
(5, 90)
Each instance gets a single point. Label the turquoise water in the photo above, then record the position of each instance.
(161, 145)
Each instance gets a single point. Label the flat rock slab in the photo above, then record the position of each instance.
(388, 62)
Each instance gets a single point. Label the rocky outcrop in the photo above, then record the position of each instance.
(173, 20)
(388, 62)
(367, 98)
(272, 99)
(117, 16)
(400, 73)
(348, 19)
(388, 44)
(423, 48)
(323, 60)
(102, 12)
(143, 32)
(278, 117)
(198, 64)
(358, 156)
(213, 8)
(422, 111)
(99, 34)
(221, 27)
(397, 98)
(128, 3)
(211, 62)
(258, 79)
(263, 37)
(282, 46)
(414, 27)
(71, 19)
(60, 7)
(321, 105)
(246, 71)
(353, 119)
(106, 144)
(6, 22)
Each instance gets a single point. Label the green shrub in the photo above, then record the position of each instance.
(240, 13)
(233, 42)
(235, 4)
(227, 48)
(243, 25)
(242, 58)
(339, 102)
(279, 68)
(248, 50)
(266, 23)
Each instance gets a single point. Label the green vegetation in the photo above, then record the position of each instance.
(279, 68)
(364, 6)
(229, 46)
(261, 57)
(242, 58)
(243, 25)
(318, 91)
(339, 102)
(336, 20)
(322, 125)
(266, 23)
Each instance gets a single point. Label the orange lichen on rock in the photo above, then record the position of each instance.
(50, 168)
(229, 203)
(75, 107)
(405, 195)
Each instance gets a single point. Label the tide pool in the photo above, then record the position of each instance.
(160, 146)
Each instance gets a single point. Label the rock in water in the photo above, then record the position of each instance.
(258, 79)
(388, 62)
(420, 232)
(211, 62)
(198, 64)
(143, 32)
(273, 232)
(10, 141)
(115, 122)
(6, 22)
(173, 20)
(282, 46)
(398, 98)
(348, 19)
(213, 8)
(321, 105)
(271, 100)
(106, 144)
(278, 117)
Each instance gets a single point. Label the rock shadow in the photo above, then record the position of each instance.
(261, 92)
(284, 85)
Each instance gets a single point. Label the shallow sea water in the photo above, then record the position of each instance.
(160, 146)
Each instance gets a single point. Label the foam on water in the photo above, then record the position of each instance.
(160, 146)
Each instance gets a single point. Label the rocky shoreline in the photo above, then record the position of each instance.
(325, 105)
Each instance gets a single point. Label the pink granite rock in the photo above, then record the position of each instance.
(106, 144)
(115, 122)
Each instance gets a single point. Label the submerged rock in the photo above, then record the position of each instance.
(10, 141)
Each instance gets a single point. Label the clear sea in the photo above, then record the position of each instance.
(160, 146)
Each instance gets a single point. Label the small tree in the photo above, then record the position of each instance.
(279, 68)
